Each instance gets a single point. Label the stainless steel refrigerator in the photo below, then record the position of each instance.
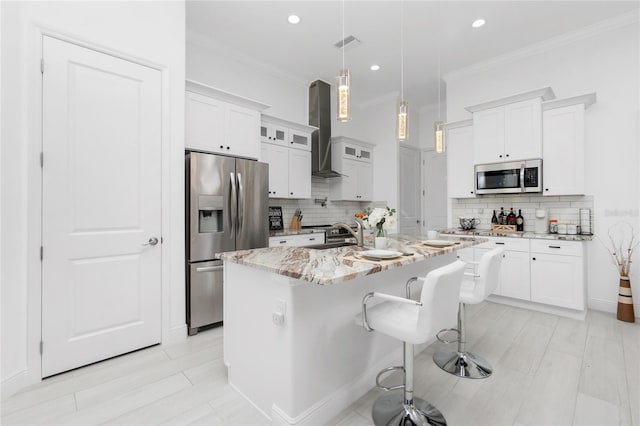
(227, 205)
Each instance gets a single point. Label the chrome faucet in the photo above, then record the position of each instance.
(357, 234)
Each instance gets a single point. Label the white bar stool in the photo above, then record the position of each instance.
(475, 289)
(412, 322)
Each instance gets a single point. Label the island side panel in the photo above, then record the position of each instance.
(257, 352)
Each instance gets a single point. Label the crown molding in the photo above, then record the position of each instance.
(546, 93)
(546, 45)
(587, 100)
(203, 42)
(206, 90)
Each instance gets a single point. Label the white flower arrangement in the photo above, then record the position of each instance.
(381, 219)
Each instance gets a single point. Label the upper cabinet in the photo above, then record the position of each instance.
(286, 147)
(460, 159)
(353, 159)
(219, 122)
(563, 146)
(509, 129)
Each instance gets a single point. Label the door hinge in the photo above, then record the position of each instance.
(41, 65)
(41, 159)
(423, 192)
(41, 252)
(41, 347)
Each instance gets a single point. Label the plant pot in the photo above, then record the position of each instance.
(625, 301)
(380, 242)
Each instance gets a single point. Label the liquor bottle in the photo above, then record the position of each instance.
(511, 217)
(519, 221)
(502, 219)
(494, 218)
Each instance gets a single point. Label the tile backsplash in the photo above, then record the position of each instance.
(314, 213)
(564, 208)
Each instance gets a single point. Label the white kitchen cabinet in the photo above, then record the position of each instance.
(277, 157)
(221, 123)
(563, 146)
(297, 240)
(353, 159)
(557, 273)
(287, 133)
(289, 171)
(514, 273)
(299, 173)
(460, 174)
(508, 133)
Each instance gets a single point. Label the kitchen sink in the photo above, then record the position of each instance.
(331, 245)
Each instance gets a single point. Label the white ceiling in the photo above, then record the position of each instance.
(259, 30)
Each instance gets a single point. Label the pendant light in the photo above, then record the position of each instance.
(438, 126)
(343, 97)
(403, 106)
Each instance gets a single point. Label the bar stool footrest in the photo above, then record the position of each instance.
(388, 370)
(444, 330)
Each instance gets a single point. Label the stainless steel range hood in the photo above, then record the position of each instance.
(320, 116)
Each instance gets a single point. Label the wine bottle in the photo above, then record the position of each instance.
(519, 221)
(502, 219)
(494, 218)
(511, 217)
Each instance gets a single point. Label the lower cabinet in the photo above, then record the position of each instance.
(514, 272)
(297, 240)
(557, 274)
(543, 271)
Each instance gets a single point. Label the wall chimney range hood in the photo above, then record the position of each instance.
(320, 117)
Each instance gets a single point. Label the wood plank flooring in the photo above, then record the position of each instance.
(548, 370)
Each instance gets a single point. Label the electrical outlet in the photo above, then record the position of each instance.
(278, 318)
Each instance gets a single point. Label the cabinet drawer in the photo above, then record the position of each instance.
(513, 244)
(566, 248)
(297, 240)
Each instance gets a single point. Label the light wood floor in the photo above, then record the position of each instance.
(548, 371)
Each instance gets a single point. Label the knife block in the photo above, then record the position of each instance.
(295, 224)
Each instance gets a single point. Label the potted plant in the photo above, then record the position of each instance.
(381, 219)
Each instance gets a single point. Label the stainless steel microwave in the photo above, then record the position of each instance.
(514, 177)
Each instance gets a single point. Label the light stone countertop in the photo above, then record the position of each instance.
(531, 235)
(336, 265)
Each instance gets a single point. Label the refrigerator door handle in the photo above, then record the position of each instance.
(240, 203)
(232, 205)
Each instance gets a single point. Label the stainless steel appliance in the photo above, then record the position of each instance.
(320, 116)
(226, 210)
(509, 178)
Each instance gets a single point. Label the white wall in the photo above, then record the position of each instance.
(603, 59)
(152, 32)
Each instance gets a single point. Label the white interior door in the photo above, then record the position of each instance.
(435, 188)
(409, 214)
(101, 292)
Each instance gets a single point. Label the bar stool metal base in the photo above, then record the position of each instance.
(463, 364)
(390, 410)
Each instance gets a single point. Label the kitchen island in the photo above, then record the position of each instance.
(291, 345)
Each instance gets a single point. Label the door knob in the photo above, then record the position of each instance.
(152, 242)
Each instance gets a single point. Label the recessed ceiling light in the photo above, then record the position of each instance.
(374, 67)
(293, 19)
(478, 23)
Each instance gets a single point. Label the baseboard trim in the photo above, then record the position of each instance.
(174, 335)
(326, 409)
(610, 306)
(17, 382)
(533, 306)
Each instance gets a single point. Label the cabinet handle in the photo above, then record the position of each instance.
(221, 146)
(500, 155)
(312, 239)
(507, 155)
(227, 147)
(500, 243)
(470, 192)
(546, 189)
(533, 258)
(283, 242)
(555, 247)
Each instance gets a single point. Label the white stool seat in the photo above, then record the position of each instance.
(396, 319)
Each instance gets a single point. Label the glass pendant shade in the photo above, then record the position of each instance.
(403, 121)
(344, 95)
(438, 136)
